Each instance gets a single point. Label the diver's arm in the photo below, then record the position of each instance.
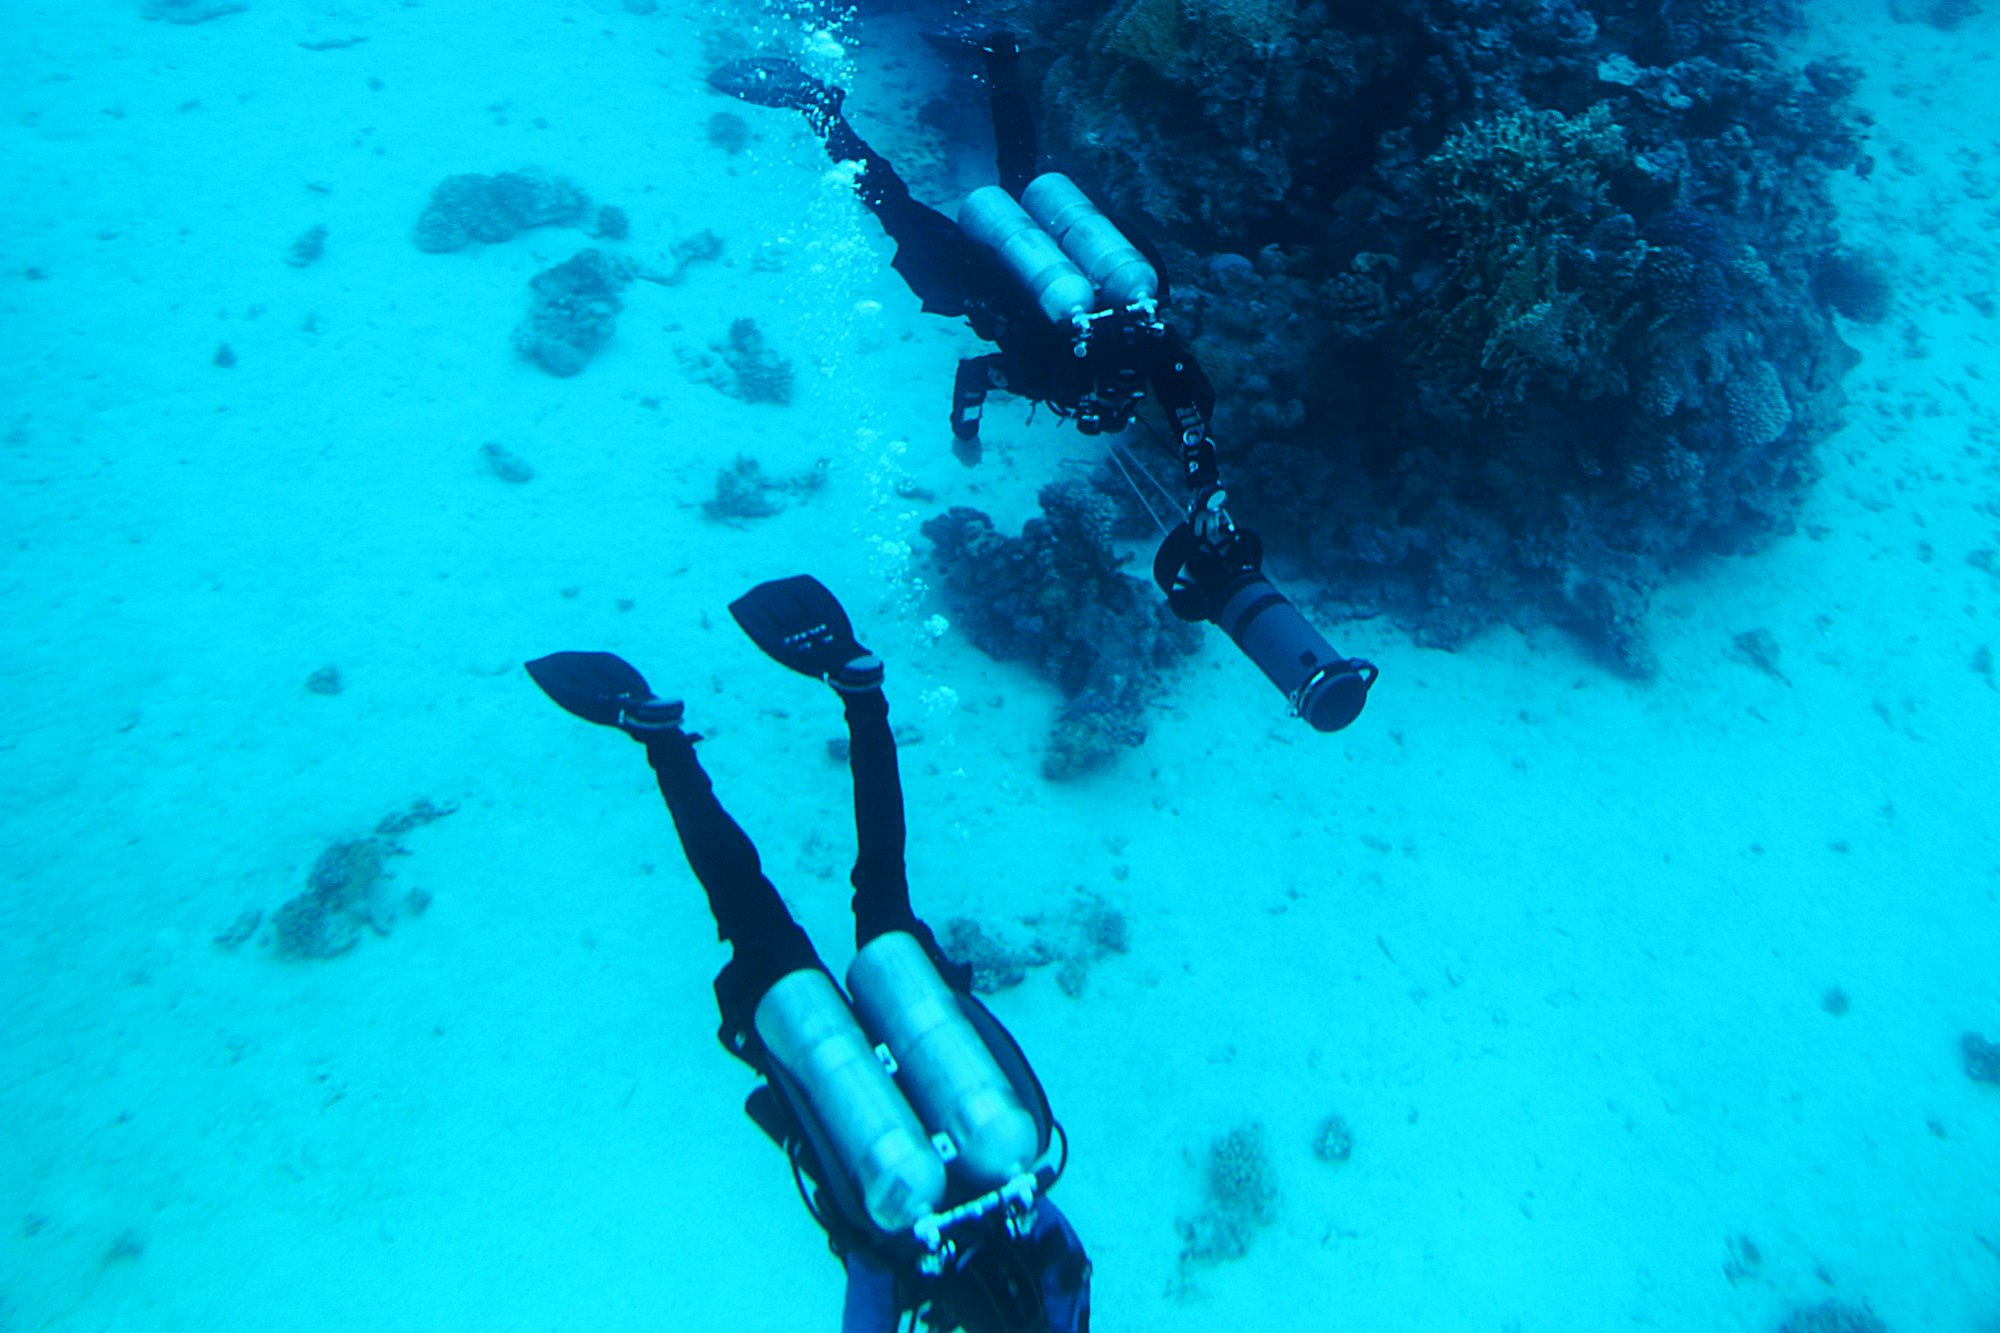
(1188, 399)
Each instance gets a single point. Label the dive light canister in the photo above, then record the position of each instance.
(1326, 689)
(942, 1061)
(807, 1028)
(990, 216)
(1114, 265)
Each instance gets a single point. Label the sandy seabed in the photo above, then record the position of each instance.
(1556, 946)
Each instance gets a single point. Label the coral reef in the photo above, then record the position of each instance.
(1057, 598)
(1757, 409)
(1515, 310)
(743, 492)
(574, 311)
(1240, 1198)
(743, 365)
(489, 209)
(1088, 930)
(1856, 284)
(346, 892)
(704, 247)
(1520, 306)
(760, 375)
(613, 224)
(996, 965)
(1333, 1141)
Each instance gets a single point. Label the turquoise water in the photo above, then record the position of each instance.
(1558, 947)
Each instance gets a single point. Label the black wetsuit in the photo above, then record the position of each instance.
(766, 945)
(954, 275)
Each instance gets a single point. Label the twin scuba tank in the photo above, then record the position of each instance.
(949, 1098)
(1071, 258)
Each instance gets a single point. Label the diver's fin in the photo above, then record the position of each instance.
(799, 624)
(597, 687)
(772, 81)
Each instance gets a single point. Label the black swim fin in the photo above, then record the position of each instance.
(799, 624)
(771, 81)
(597, 687)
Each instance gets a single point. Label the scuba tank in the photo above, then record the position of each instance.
(1112, 263)
(943, 1063)
(808, 1030)
(990, 216)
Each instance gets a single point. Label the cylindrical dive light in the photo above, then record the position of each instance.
(942, 1062)
(990, 216)
(1325, 689)
(1228, 587)
(807, 1028)
(1114, 265)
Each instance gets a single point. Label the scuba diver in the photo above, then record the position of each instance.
(1032, 264)
(1075, 308)
(918, 1135)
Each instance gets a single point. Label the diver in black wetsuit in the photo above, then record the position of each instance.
(1091, 362)
(1074, 307)
(932, 1187)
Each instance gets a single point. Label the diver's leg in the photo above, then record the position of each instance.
(1013, 126)
(765, 942)
(930, 250)
(881, 884)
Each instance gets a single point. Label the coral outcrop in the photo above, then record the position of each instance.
(1515, 309)
(490, 209)
(348, 891)
(574, 311)
(1240, 1198)
(1057, 598)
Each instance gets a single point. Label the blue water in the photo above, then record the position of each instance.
(1558, 947)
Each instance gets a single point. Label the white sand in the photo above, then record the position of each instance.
(1553, 943)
